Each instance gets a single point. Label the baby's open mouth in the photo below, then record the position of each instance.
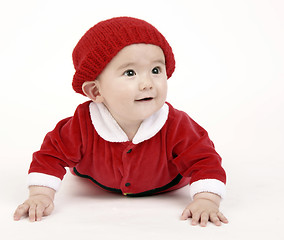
(144, 99)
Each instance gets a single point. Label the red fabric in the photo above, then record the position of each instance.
(180, 147)
(104, 40)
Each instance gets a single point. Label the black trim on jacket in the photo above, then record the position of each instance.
(174, 182)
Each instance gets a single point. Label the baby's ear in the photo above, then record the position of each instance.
(91, 90)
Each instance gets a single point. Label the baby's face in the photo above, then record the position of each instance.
(134, 84)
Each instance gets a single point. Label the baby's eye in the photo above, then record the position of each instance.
(129, 73)
(156, 70)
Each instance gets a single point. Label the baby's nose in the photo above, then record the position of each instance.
(146, 83)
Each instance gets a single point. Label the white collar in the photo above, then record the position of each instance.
(109, 130)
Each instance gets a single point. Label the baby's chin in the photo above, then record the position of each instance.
(148, 111)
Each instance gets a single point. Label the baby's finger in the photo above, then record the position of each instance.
(222, 217)
(48, 210)
(215, 219)
(186, 214)
(39, 212)
(204, 219)
(32, 213)
(21, 211)
(195, 218)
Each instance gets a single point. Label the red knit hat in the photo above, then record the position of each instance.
(104, 40)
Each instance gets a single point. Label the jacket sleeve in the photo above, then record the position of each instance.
(63, 147)
(195, 156)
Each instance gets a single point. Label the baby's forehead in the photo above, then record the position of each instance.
(139, 52)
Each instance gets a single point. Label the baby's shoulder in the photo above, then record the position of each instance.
(176, 115)
(181, 121)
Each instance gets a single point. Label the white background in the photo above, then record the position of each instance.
(229, 78)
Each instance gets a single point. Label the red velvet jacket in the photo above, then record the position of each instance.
(177, 152)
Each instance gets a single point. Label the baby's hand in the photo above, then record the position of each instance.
(204, 207)
(39, 204)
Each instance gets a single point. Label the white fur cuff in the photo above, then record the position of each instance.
(208, 185)
(41, 179)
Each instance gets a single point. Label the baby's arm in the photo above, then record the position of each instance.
(39, 203)
(205, 206)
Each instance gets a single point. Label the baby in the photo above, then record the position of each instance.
(127, 138)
